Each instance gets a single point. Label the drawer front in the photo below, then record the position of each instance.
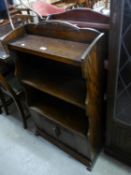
(76, 142)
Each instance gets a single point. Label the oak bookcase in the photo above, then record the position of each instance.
(61, 67)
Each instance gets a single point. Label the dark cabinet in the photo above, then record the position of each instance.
(118, 136)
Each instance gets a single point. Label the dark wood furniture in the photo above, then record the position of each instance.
(84, 17)
(61, 67)
(5, 66)
(118, 136)
(9, 85)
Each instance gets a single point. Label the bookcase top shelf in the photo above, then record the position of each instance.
(51, 48)
(59, 41)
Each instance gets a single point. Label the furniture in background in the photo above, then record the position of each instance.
(44, 9)
(19, 16)
(86, 18)
(4, 68)
(83, 17)
(9, 85)
(21, 19)
(118, 135)
(10, 89)
(62, 67)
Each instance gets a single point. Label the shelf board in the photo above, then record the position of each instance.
(71, 118)
(65, 51)
(69, 89)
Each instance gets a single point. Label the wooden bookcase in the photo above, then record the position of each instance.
(61, 67)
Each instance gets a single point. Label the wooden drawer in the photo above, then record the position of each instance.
(75, 141)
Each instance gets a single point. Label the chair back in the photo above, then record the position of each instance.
(21, 19)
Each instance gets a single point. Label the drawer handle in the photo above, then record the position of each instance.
(57, 131)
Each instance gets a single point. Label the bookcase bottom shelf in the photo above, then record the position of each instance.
(74, 140)
(63, 122)
(85, 160)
